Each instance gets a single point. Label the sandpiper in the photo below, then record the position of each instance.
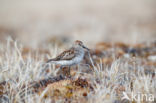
(72, 56)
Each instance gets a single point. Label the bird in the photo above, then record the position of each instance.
(72, 56)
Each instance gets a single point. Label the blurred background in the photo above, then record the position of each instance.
(36, 22)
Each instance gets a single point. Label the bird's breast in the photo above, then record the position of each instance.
(78, 58)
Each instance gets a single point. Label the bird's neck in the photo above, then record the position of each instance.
(79, 51)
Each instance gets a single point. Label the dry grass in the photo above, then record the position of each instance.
(42, 29)
(114, 69)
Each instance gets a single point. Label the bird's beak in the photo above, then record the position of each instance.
(86, 48)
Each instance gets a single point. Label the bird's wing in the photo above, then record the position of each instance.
(66, 55)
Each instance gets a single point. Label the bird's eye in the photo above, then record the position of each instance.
(80, 43)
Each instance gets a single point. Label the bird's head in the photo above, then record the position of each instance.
(79, 44)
